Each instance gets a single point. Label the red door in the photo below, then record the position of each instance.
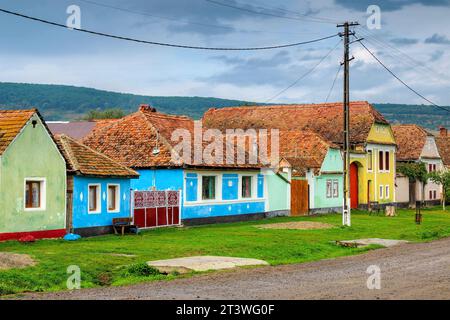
(353, 185)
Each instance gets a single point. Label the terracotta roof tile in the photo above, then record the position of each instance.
(324, 119)
(410, 139)
(443, 144)
(83, 160)
(133, 139)
(11, 122)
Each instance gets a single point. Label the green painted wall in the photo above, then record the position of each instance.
(332, 163)
(278, 191)
(32, 154)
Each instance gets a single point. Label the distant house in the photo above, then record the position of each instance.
(98, 188)
(211, 192)
(443, 144)
(372, 167)
(415, 145)
(77, 129)
(32, 178)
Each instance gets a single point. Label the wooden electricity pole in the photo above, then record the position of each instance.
(346, 215)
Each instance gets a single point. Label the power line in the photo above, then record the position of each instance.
(304, 75)
(334, 82)
(401, 81)
(311, 19)
(206, 25)
(162, 43)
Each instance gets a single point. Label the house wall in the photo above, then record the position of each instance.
(380, 138)
(228, 200)
(32, 154)
(430, 155)
(402, 189)
(278, 192)
(332, 168)
(81, 218)
(160, 179)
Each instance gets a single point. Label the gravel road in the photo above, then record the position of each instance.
(409, 271)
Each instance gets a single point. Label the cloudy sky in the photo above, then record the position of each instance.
(414, 41)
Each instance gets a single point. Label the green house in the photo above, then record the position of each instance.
(32, 178)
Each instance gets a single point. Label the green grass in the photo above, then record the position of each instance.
(99, 267)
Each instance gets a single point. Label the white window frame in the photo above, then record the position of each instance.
(254, 182)
(218, 194)
(99, 198)
(335, 182)
(371, 156)
(387, 192)
(43, 193)
(330, 183)
(118, 203)
(381, 191)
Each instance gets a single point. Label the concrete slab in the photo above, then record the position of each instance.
(203, 263)
(366, 242)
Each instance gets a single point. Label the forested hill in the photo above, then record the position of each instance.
(58, 102)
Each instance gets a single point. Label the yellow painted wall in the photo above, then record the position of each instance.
(380, 138)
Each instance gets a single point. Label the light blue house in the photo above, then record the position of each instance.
(148, 141)
(98, 188)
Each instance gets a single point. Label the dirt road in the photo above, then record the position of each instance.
(410, 271)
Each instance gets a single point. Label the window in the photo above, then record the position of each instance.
(369, 160)
(246, 187)
(381, 192)
(34, 194)
(94, 198)
(208, 187)
(434, 194)
(430, 194)
(386, 193)
(335, 188)
(380, 161)
(434, 167)
(329, 189)
(113, 197)
(387, 161)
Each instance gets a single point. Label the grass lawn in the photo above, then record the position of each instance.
(100, 265)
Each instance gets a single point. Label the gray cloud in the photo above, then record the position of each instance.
(404, 41)
(437, 39)
(388, 5)
(436, 55)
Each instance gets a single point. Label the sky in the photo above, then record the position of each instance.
(413, 41)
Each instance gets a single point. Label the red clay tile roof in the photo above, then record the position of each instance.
(81, 159)
(443, 144)
(324, 119)
(303, 150)
(133, 139)
(11, 123)
(410, 139)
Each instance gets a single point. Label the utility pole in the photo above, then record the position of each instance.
(346, 214)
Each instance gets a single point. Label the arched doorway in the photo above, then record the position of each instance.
(354, 186)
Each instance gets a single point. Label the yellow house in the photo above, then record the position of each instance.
(372, 165)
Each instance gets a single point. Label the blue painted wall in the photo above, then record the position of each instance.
(230, 183)
(217, 210)
(161, 179)
(80, 216)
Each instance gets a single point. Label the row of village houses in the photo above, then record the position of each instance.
(77, 177)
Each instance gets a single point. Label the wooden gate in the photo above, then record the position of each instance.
(156, 208)
(299, 198)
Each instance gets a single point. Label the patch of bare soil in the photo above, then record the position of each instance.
(15, 260)
(298, 225)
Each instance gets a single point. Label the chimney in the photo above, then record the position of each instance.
(147, 108)
(443, 132)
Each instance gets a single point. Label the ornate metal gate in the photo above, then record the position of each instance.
(156, 208)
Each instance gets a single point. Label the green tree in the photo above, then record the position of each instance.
(415, 171)
(442, 178)
(114, 113)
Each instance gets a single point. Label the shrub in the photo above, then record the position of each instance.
(141, 270)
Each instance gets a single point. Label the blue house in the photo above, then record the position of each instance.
(98, 188)
(149, 142)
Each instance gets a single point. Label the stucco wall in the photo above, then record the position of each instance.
(332, 163)
(278, 191)
(81, 218)
(161, 179)
(32, 155)
(402, 190)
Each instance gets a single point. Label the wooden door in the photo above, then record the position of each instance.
(354, 186)
(299, 198)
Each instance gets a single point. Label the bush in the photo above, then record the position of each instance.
(141, 270)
